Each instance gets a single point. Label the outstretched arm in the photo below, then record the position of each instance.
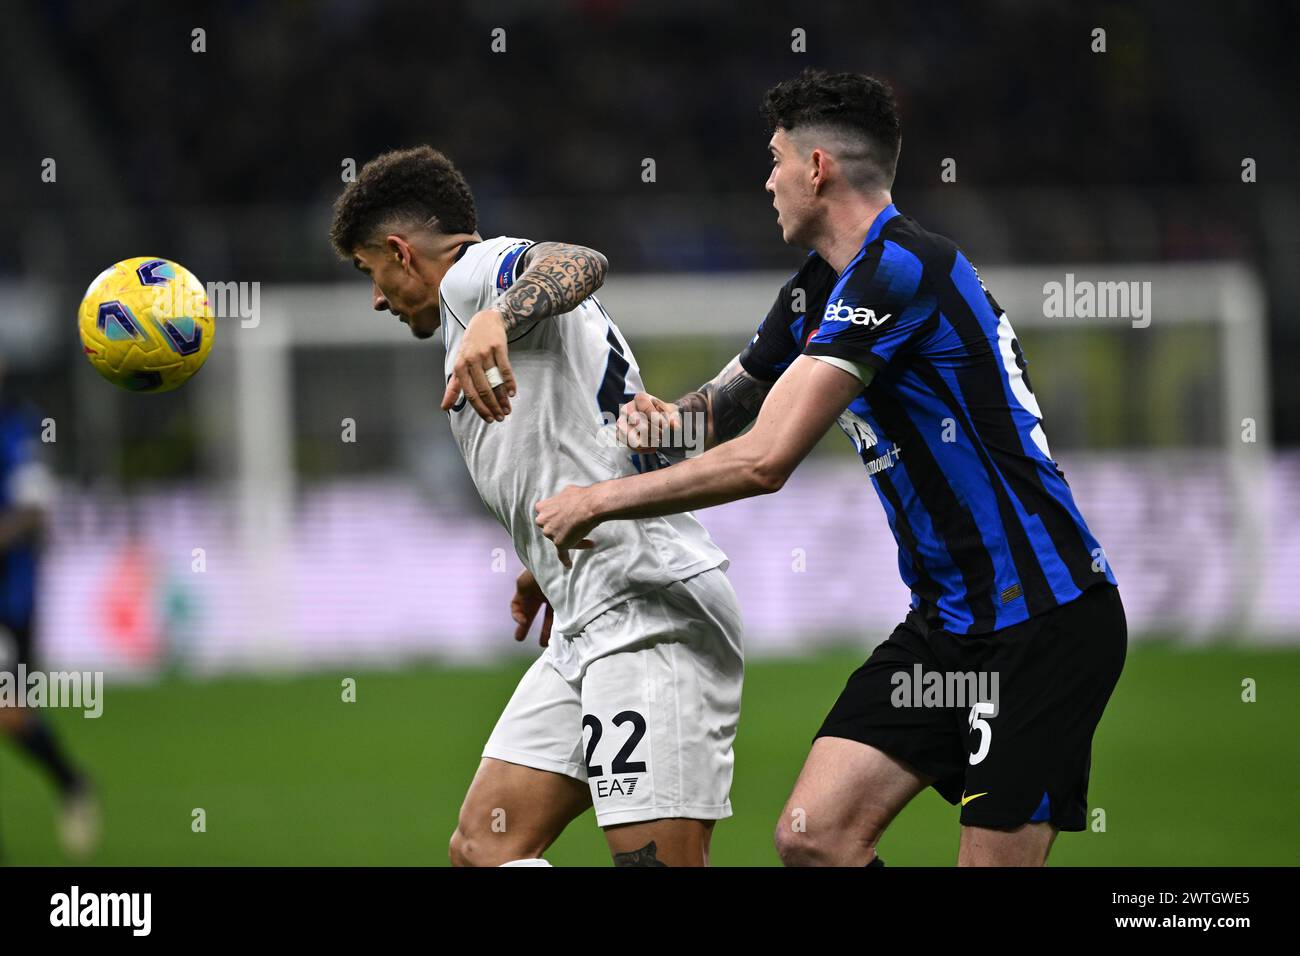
(556, 278)
(803, 404)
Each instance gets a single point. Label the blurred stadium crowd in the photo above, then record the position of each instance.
(229, 159)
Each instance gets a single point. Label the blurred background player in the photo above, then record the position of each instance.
(26, 493)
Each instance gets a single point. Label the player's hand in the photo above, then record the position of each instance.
(648, 424)
(528, 600)
(483, 346)
(566, 519)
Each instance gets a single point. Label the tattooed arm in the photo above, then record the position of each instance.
(556, 278)
(729, 402)
(720, 410)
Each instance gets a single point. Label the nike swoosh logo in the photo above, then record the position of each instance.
(965, 799)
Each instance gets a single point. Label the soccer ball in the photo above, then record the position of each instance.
(146, 325)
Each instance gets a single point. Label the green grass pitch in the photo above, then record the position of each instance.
(1186, 772)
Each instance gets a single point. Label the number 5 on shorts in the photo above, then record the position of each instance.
(976, 720)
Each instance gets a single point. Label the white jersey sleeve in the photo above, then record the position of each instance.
(573, 371)
(483, 271)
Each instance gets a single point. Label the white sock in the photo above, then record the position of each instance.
(533, 861)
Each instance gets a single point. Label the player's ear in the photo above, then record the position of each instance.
(818, 163)
(400, 250)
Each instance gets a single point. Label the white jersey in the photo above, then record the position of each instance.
(573, 371)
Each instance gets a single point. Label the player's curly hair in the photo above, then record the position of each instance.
(408, 186)
(853, 104)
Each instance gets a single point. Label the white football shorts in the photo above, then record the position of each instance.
(648, 725)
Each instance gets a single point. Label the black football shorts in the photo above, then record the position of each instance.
(15, 645)
(1005, 723)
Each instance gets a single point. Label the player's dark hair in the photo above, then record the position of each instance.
(853, 104)
(406, 185)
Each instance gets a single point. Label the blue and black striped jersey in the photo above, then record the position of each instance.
(948, 427)
(18, 441)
